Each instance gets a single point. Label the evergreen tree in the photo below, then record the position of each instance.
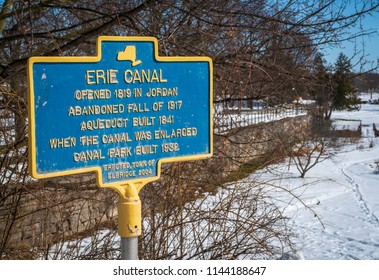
(344, 94)
(322, 86)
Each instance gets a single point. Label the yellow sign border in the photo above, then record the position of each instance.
(80, 59)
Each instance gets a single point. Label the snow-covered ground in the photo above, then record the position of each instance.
(343, 195)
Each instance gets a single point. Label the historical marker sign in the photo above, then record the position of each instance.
(120, 113)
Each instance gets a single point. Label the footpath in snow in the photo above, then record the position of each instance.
(343, 192)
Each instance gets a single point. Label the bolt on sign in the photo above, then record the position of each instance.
(120, 113)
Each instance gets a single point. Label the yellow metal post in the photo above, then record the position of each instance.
(129, 216)
(129, 219)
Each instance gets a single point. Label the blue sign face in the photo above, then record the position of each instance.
(120, 113)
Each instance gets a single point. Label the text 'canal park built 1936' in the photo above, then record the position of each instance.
(120, 113)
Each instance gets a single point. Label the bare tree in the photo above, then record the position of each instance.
(309, 148)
